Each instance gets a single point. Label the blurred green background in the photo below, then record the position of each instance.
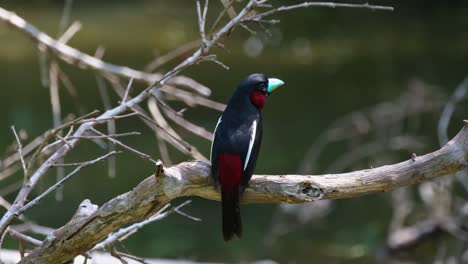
(333, 61)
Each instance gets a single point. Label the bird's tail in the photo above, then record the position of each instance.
(232, 223)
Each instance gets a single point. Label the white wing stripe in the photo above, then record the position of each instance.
(214, 134)
(252, 139)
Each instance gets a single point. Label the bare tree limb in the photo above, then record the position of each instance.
(193, 179)
(72, 55)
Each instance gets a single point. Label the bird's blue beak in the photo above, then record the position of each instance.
(273, 84)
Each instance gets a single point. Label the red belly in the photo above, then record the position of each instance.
(229, 171)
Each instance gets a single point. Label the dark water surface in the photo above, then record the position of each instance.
(332, 61)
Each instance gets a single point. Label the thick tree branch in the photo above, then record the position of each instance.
(192, 178)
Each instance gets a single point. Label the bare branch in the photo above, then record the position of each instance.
(191, 99)
(15, 234)
(56, 115)
(202, 20)
(175, 139)
(127, 91)
(110, 135)
(66, 13)
(189, 126)
(117, 236)
(193, 179)
(171, 55)
(64, 179)
(70, 32)
(20, 153)
(117, 142)
(227, 8)
(33, 228)
(214, 59)
(111, 127)
(4, 203)
(72, 55)
(317, 4)
(76, 57)
(183, 81)
(13, 256)
(7, 162)
(104, 120)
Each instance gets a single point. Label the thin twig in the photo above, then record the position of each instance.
(70, 32)
(170, 134)
(72, 91)
(175, 139)
(4, 203)
(162, 213)
(127, 91)
(177, 142)
(177, 210)
(110, 135)
(5, 173)
(2, 238)
(9, 189)
(317, 4)
(171, 55)
(191, 99)
(117, 142)
(20, 236)
(202, 20)
(189, 126)
(66, 13)
(132, 257)
(214, 59)
(43, 63)
(227, 7)
(111, 128)
(33, 228)
(460, 93)
(26, 151)
(117, 255)
(20, 153)
(56, 115)
(64, 179)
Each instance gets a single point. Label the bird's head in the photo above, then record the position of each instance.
(257, 86)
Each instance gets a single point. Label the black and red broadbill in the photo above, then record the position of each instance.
(236, 144)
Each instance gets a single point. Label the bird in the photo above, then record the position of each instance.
(236, 143)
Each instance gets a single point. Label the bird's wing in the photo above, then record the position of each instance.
(214, 154)
(253, 133)
(252, 152)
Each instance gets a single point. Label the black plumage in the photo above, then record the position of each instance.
(236, 144)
